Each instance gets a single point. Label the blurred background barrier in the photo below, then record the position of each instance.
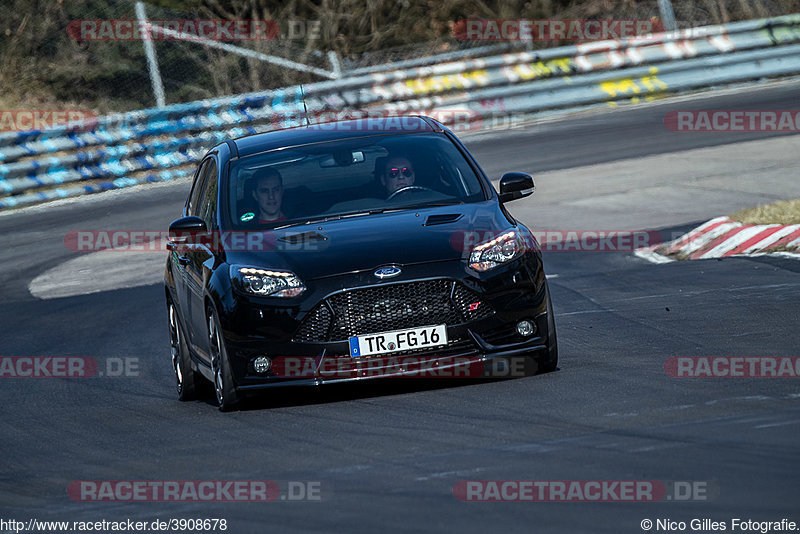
(469, 89)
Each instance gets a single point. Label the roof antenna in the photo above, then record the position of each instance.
(303, 94)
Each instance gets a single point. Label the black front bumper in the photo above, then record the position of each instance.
(476, 348)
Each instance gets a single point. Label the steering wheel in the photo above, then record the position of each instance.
(407, 189)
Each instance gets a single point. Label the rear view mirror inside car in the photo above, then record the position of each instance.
(342, 159)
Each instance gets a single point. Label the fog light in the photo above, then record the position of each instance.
(525, 328)
(262, 364)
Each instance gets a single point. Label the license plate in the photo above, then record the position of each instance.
(397, 340)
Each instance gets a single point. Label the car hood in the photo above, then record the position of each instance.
(359, 243)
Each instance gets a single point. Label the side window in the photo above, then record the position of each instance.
(208, 204)
(197, 187)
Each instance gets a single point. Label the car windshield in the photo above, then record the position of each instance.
(336, 179)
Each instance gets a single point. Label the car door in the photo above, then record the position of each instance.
(180, 258)
(201, 259)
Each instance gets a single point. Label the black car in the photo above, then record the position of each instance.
(347, 251)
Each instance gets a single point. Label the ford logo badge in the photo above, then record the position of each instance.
(387, 272)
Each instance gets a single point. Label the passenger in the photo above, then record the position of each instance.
(268, 193)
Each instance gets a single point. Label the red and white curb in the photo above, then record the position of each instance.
(723, 237)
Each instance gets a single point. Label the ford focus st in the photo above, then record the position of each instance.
(348, 251)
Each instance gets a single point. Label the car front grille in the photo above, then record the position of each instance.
(382, 308)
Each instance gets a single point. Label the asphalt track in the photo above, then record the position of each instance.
(387, 455)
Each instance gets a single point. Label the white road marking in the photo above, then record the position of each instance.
(99, 271)
(443, 474)
(783, 423)
(652, 256)
(583, 312)
(657, 447)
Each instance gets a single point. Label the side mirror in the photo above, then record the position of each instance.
(181, 229)
(514, 185)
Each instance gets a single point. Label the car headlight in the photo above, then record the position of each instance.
(266, 283)
(502, 249)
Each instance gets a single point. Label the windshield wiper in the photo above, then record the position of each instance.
(403, 208)
(369, 212)
(308, 221)
(434, 204)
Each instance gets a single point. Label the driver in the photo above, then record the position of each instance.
(397, 174)
(268, 193)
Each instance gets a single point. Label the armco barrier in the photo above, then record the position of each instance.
(115, 151)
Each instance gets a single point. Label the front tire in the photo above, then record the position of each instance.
(186, 379)
(224, 387)
(550, 362)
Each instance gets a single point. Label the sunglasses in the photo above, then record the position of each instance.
(406, 171)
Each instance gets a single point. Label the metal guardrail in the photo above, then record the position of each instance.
(118, 149)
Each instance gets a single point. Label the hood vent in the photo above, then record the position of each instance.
(305, 237)
(442, 219)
